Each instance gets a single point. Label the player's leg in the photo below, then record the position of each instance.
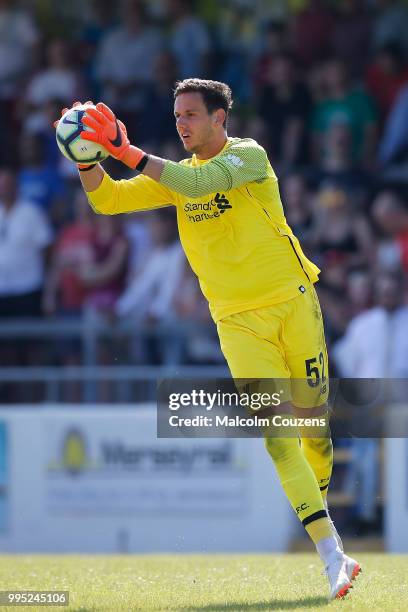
(251, 344)
(306, 353)
(308, 362)
(302, 491)
(318, 450)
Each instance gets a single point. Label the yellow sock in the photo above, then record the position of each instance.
(319, 454)
(318, 449)
(300, 485)
(319, 529)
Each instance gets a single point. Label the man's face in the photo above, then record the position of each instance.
(388, 293)
(387, 213)
(194, 124)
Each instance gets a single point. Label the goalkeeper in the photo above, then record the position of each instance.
(251, 269)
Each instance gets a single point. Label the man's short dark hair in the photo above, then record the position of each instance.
(214, 93)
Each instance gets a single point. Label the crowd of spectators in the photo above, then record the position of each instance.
(323, 86)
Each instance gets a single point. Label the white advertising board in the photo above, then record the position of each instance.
(97, 479)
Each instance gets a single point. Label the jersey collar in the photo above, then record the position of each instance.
(198, 162)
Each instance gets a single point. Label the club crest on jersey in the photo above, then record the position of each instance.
(203, 211)
(234, 160)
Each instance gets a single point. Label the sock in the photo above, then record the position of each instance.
(300, 485)
(319, 529)
(319, 453)
(326, 547)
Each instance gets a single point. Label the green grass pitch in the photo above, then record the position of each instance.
(206, 583)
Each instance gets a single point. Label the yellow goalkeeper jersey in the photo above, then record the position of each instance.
(231, 224)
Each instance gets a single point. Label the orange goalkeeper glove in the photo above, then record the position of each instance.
(111, 134)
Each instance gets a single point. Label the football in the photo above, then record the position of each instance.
(70, 142)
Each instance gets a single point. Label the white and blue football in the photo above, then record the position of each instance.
(70, 142)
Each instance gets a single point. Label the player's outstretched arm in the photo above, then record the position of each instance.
(237, 167)
(108, 196)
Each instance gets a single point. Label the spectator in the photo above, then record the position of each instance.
(57, 80)
(274, 43)
(386, 76)
(297, 202)
(350, 40)
(312, 32)
(336, 148)
(99, 21)
(37, 181)
(190, 307)
(376, 342)
(159, 104)
(375, 346)
(343, 242)
(104, 276)
(340, 231)
(124, 64)
(284, 105)
(390, 24)
(359, 291)
(18, 42)
(393, 147)
(236, 37)
(149, 298)
(316, 80)
(87, 275)
(331, 289)
(337, 167)
(352, 106)
(65, 291)
(40, 123)
(151, 293)
(189, 40)
(391, 216)
(99, 17)
(24, 236)
(136, 228)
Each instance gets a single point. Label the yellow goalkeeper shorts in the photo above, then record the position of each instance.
(283, 341)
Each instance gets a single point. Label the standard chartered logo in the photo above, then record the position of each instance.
(203, 211)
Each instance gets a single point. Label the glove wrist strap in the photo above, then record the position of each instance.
(133, 157)
(141, 165)
(85, 168)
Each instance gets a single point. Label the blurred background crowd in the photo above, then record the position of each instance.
(322, 85)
